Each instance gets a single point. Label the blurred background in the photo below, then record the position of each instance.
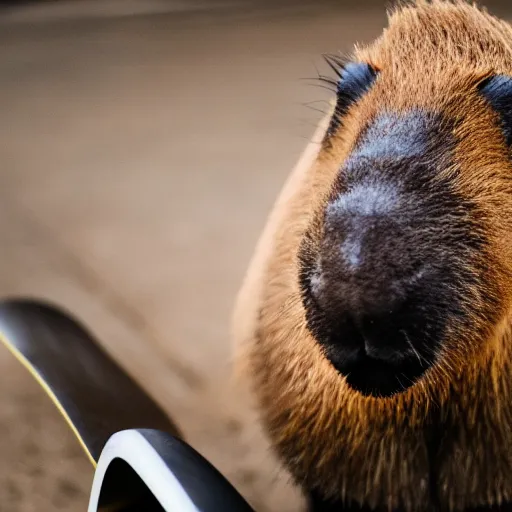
(142, 144)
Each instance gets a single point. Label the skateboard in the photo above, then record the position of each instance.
(141, 461)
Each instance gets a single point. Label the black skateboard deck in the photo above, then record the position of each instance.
(141, 463)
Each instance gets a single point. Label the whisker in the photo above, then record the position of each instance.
(308, 122)
(316, 69)
(336, 62)
(316, 109)
(322, 79)
(416, 353)
(321, 86)
(308, 139)
(313, 102)
(399, 382)
(407, 378)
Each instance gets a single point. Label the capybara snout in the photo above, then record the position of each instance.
(386, 267)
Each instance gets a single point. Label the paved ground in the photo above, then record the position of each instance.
(140, 155)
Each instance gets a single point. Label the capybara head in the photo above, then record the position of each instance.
(406, 262)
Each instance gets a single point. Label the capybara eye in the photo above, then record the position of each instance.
(355, 79)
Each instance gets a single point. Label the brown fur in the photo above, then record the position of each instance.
(376, 450)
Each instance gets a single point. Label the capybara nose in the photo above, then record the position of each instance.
(384, 268)
(367, 265)
(368, 284)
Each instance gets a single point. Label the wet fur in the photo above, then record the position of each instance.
(446, 442)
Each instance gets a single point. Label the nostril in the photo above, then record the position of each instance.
(383, 338)
(385, 354)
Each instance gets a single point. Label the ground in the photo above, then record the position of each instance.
(141, 150)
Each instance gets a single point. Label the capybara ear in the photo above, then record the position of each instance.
(497, 90)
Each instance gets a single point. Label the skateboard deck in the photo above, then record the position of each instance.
(141, 463)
